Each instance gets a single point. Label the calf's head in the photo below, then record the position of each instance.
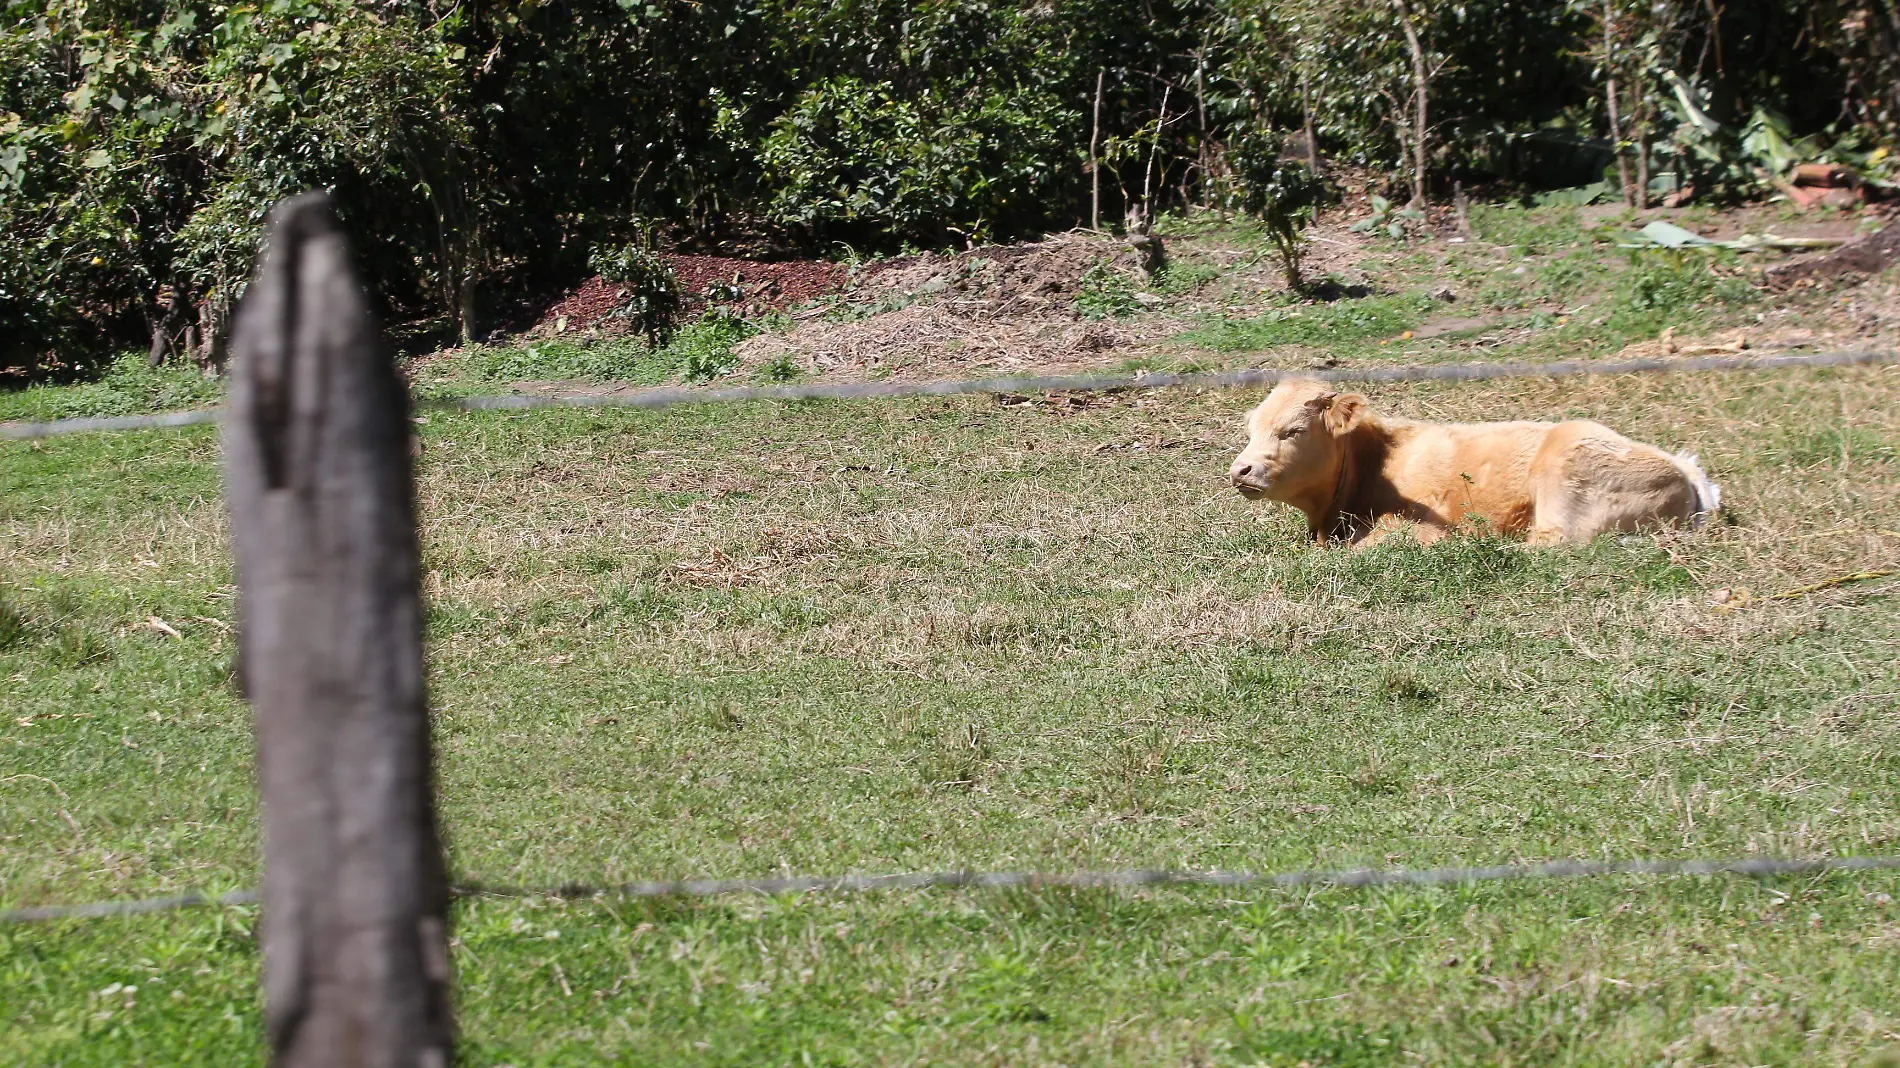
(1295, 441)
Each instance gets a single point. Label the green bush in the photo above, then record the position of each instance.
(703, 349)
(653, 296)
(1284, 195)
(863, 162)
(140, 148)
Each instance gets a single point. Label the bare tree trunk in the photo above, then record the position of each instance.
(465, 306)
(1200, 103)
(167, 327)
(1148, 174)
(1616, 126)
(356, 965)
(1095, 163)
(1641, 136)
(1891, 38)
(210, 344)
(1312, 142)
(1421, 125)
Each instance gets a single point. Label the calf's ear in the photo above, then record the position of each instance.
(1345, 412)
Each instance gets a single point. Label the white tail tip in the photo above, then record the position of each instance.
(1708, 495)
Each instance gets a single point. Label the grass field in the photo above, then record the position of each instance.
(821, 638)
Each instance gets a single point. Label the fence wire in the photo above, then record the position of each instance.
(669, 397)
(1756, 867)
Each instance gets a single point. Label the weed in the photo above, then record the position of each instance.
(1565, 277)
(1389, 219)
(76, 645)
(697, 350)
(619, 360)
(722, 717)
(1179, 279)
(1106, 293)
(1377, 775)
(703, 349)
(780, 368)
(1668, 286)
(955, 757)
(1666, 694)
(1532, 232)
(1403, 686)
(1314, 324)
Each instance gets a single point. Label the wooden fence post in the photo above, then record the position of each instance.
(356, 966)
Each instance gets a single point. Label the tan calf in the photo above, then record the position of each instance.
(1358, 475)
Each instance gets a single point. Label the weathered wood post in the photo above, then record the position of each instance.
(356, 965)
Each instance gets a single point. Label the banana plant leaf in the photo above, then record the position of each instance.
(1660, 234)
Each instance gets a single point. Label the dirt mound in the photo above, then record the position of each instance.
(775, 285)
(930, 341)
(1000, 279)
(1002, 309)
(590, 306)
(747, 286)
(1037, 280)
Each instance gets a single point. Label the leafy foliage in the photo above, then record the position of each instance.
(1106, 293)
(480, 152)
(1282, 194)
(1388, 218)
(855, 160)
(653, 297)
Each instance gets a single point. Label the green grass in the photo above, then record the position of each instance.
(699, 350)
(818, 638)
(127, 387)
(1318, 324)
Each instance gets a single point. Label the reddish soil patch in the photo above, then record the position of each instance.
(748, 286)
(586, 308)
(778, 285)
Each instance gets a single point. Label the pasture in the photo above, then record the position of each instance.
(1031, 633)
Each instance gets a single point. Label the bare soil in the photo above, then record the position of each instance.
(1013, 308)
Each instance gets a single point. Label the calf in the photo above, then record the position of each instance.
(1358, 475)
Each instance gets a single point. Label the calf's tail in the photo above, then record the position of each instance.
(1708, 495)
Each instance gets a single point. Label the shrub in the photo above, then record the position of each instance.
(861, 161)
(1282, 194)
(704, 348)
(653, 300)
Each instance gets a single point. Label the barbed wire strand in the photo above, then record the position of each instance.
(1756, 867)
(674, 396)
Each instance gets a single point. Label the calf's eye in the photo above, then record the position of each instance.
(1291, 432)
